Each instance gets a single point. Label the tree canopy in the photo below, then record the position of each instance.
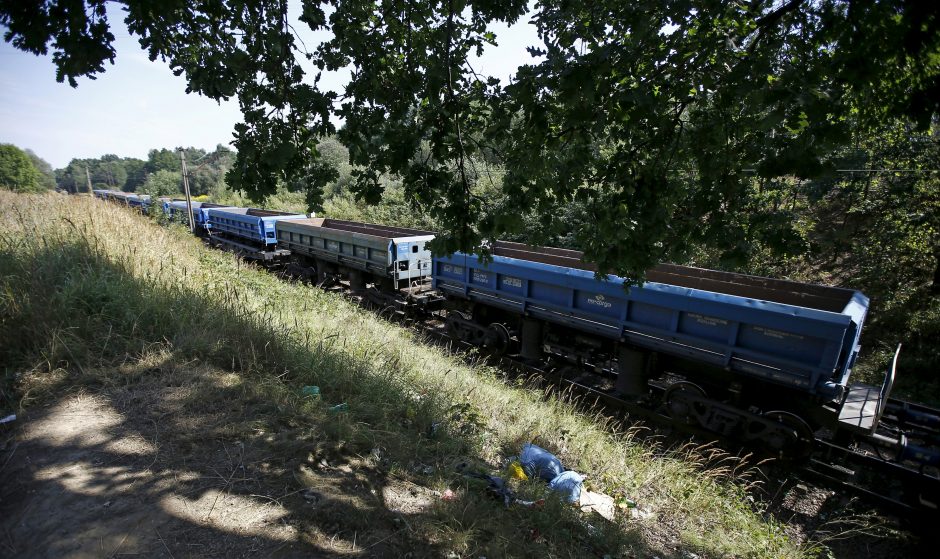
(46, 173)
(17, 172)
(163, 183)
(662, 125)
(108, 171)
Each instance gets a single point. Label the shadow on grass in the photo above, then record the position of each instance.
(172, 425)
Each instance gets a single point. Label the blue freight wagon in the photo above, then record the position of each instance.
(117, 196)
(139, 201)
(176, 209)
(797, 335)
(252, 225)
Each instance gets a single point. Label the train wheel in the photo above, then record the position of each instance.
(498, 339)
(452, 323)
(680, 401)
(450, 326)
(790, 437)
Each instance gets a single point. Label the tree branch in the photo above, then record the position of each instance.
(450, 94)
(770, 19)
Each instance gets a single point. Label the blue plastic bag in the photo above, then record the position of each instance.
(536, 461)
(568, 484)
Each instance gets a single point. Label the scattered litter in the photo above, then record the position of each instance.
(599, 503)
(340, 408)
(497, 486)
(516, 471)
(312, 391)
(627, 504)
(537, 503)
(568, 484)
(448, 495)
(539, 462)
(8, 419)
(536, 462)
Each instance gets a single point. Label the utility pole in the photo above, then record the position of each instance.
(189, 201)
(88, 178)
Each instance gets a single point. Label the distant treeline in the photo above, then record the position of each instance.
(159, 174)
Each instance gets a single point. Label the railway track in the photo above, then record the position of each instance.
(867, 471)
(898, 487)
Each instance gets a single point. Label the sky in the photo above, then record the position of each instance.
(137, 105)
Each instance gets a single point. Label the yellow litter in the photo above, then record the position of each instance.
(516, 471)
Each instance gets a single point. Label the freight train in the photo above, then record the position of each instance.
(754, 359)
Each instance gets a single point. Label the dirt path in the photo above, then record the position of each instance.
(138, 471)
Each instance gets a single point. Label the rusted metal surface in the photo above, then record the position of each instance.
(381, 231)
(832, 299)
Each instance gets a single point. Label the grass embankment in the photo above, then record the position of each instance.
(96, 300)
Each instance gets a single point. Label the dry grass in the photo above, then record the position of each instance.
(90, 291)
